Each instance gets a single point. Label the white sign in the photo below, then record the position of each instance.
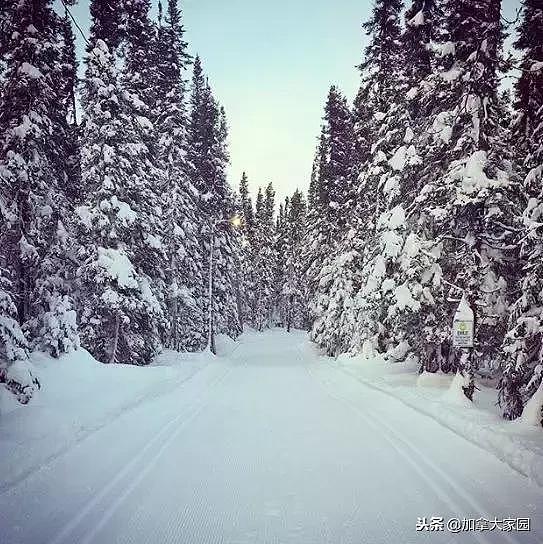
(463, 325)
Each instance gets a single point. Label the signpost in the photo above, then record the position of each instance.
(463, 325)
(462, 337)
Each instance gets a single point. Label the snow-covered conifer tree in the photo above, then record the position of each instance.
(264, 259)
(34, 180)
(522, 357)
(466, 198)
(15, 370)
(293, 304)
(207, 155)
(183, 271)
(334, 202)
(120, 316)
(248, 230)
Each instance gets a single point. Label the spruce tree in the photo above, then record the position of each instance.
(292, 296)
(183, 272)
(15, 371)
(6, 30)
(381, 58)
(247, 211)
(140, 62)
(316, 241)
(264, 259)
(248, 230)
(207, 156)
(522, 356)
(398, 264)
(34, 181)
(106, 24)
(120, 316)
(466, 194)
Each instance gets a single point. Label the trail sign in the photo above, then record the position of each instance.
(463, 325)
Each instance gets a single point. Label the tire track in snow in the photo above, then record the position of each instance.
(415, 457)
(131, 475)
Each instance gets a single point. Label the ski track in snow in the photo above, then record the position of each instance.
(269, 446)
(437, 479)
(118, 489)
(145, 397)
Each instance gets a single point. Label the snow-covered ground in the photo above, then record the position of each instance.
(267, 443)
(517, 443)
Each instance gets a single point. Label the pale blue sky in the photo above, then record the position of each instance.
(270, 63)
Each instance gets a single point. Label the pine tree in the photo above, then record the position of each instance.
(120, 315)
(140, 60)
(264, 259)
(341, 316)
(69, 137)
(248, 230)
(398, 265)
(292, 295)
(523, 348)
(6, 30)
(316, 240)
(208, 157)
(33, 191)
(247, 211)
(106, 24)
(15, 371)
(377, 117)
(466, 193)
(335, 184)
(183, 270)
(332, 204)
(381, 59)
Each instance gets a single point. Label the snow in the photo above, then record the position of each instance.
(153, 241)
(434, 379)
(30, 70)
(404, 299)
(412, 93)
(417, 20)
(391, 185)
(455, 393)
(392, 244)
(24, 128)
(267, 442)
(117, 266)
(516, 444)
(404, 155)
(451, 75)
(85, 216)
(148, 296)
(20, 371)
(396, 219)
(533, 411)
(442, 126)
(78, 397)
(443, 48)
(124, 212)
(472, 174)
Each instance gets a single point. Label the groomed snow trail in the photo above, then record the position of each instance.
(272, 446)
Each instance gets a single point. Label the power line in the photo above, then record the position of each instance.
(75, 22)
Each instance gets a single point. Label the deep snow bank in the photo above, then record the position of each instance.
(79, 396)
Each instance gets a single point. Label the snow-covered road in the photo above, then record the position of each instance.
(271, 445)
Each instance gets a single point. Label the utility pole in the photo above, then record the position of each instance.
(235, 222)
